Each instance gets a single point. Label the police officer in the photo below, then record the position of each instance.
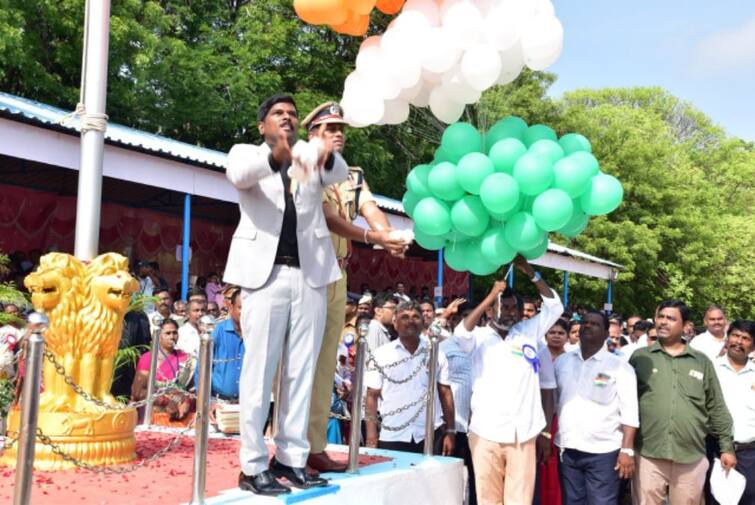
(342, 203)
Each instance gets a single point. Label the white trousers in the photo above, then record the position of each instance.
(286, 304)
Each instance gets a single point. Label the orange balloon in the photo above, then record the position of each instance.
(362, 7)
(356, 25)
(322, 12)
(390, 6)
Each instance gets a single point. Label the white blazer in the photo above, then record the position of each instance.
(261, 202)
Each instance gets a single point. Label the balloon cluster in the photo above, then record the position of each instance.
(486, 198)
(445, 53)
(350, 17)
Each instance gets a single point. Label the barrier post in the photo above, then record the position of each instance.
(356, 395)
(434, 332)
(157, 320)
(35, 348)
(201, 425)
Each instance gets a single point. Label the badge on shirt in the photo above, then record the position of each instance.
(530, 354)
(697, 375)
(601, 380)
(516, 350)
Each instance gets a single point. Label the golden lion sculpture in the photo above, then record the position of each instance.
(85, 303)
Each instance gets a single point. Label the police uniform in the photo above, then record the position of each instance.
(347, 199)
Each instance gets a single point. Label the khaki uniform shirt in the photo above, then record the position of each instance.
(342, 198)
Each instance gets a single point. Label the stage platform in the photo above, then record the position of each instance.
(385, 477)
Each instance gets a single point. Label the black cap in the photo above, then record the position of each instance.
(265, 106)
(352, 299)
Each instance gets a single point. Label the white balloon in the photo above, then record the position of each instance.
(544, 8)
(412, 21)
(481, 66)
(409, 93)
(439, 52)
(443, 107)
(458, 89)
(361, 101)
(402, 56)
(502, 26)
(372, 41)
(427, 8)
(396, 112)
(512, 63)
(372, 65)
(432, 77)
(542, 42)
(423, 97)
(463, 22)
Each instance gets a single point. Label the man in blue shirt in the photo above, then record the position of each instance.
(228, 352)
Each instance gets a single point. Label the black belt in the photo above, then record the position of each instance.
(740, 447)
(288, 261)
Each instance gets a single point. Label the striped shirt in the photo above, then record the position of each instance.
(461, 377)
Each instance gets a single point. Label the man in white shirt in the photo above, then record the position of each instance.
(736, 373)
(399, 385)
(507, 403)
(384, 306)
(188, 334)
(597, 418)
(711, 342)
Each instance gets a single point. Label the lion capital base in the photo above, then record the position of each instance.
(100, 439)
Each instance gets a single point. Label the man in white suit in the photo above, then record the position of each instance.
(282, 257)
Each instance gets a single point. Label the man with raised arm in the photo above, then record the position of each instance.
(512, 397)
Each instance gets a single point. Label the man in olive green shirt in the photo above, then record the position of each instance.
(680, 402)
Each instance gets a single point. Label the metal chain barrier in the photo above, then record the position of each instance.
(7, 444)
(373, 365)
(113, 470)
(170, 387)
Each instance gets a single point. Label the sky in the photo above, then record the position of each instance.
(700, 51)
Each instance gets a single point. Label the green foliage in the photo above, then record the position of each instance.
(9, 294)
(7, 396)
(140, 301)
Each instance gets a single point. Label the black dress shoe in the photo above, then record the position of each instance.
(298, 477)
(263, 483)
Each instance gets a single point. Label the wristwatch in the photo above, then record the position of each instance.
(546, 435)
(536, 277)
(627, 451)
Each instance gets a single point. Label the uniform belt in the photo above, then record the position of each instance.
(288, 261)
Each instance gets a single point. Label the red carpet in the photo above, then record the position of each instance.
(166, 481)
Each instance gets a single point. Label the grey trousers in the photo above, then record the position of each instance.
(286, 306)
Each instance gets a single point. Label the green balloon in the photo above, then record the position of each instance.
(441, 155)
(522, 232)
(552, 209)
(587, 161)
(432, 216)
(573, 142)
(548, 148)
(499, 193)
(577, 223)
(409, 201)
(471, 170)
(505, 153)
(455, 256)
(476, 261)
(460, 139)
(534, 173)
(416, 181)
(603, 195)
(536, 252)
(442, 182)
(494, 247)
(469, 215)
(505, 216)
(571, 176)
(510, 127)
(538, 132)
(527, 201)
(454, 237)
(429, 242)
